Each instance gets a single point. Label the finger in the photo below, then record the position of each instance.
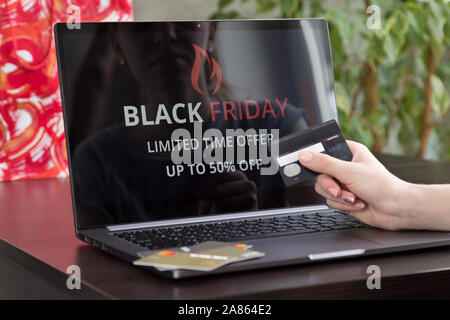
(323, 193)
(323, 163)
(354, 146)
(361, 150)
(358, 205)
(329, 185)
(346, 197)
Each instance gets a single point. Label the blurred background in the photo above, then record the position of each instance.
(391, 67)
(391, 61)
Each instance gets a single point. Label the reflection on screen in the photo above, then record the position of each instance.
(171, 120)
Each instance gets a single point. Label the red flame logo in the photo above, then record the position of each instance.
(213, 66)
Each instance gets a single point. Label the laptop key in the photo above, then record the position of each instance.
(326, 214)
(241, 229)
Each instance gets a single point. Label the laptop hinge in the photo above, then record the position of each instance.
(253, 214)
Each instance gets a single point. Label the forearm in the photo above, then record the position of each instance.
(427, 206)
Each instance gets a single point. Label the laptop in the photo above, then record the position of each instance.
(168, 131)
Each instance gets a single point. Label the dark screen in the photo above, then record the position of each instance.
(148, 105)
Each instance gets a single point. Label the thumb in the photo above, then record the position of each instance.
(323, 163)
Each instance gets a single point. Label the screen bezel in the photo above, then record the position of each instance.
(61, 29)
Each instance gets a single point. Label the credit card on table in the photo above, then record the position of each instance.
(206, 260)
(183, 260)
(207, 245)
(325, 137)
(197, 248)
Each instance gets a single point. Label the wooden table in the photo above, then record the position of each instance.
(38, 243)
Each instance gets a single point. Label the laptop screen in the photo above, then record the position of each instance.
(169, 120)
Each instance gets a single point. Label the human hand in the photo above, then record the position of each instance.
(373, 195)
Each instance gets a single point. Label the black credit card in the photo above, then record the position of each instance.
(325, 137)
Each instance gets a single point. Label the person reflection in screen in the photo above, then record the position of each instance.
(116, 178)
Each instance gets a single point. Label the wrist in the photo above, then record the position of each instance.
(409, 206)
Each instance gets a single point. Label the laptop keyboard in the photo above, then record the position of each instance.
(236, 230)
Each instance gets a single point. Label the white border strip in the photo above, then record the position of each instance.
(336, 254)
(293, 157)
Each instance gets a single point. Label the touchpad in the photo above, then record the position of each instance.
(298, 246)
(295, 249)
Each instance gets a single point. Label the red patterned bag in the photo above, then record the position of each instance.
(32, 143)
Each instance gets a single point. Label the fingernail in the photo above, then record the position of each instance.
(333, 192)
(305, 156)
(349, 199)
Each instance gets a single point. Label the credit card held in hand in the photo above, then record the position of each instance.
(325, 137)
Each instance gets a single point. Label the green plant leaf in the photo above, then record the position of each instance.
(341, 21)
(413, 21)
(225, 15)
(440, 101)
(316, 7)
(265, 5)
(336, 48)
(361, 133)
(438, 10)
(409, 28)
(342, 98)
(436, 28)
(289, 6)
(390, 48)
(401, 24)
(224, 3)
(377, 119)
